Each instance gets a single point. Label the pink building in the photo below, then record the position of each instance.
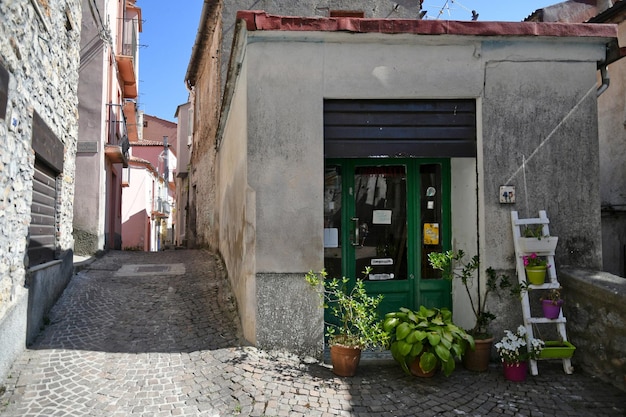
(148, 197)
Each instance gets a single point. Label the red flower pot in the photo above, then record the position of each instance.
(515, 372)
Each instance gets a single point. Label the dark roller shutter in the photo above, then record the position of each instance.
(48, 166)
(42, 243)
(399, 128)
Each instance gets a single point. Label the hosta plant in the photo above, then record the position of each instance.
(428, 334)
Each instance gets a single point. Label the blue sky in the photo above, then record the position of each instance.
(169, 31)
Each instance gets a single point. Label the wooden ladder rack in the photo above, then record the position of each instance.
(550, 283)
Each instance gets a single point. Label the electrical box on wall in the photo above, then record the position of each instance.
(507, 194)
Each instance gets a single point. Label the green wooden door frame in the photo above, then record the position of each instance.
(415, 289)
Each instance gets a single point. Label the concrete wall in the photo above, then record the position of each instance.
(39, 49)
(409, 9)
(525, 111)
(45, 285)
(596, 322)
(89, 210)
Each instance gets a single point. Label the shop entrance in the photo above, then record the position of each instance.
(388, 216)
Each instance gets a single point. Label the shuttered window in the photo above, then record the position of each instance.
(49, 152)
(42, 243)
(399, 128)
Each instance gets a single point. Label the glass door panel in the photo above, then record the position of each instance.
(333, 221)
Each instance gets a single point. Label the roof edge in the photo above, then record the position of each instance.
(257, 20)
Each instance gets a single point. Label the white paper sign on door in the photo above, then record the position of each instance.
(381, 217)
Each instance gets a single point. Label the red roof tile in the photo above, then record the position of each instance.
(260, 20)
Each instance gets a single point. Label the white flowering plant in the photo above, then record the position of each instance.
(513, 347)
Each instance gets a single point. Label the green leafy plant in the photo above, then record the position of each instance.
(358, 323)
(428, 334)
(447, 261)
(535, 231)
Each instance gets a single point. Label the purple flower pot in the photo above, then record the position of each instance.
(551, 310)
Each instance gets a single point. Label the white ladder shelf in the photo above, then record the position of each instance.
(551, 282)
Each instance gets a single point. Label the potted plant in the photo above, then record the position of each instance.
(476, 359)
(515, 351)
(533, 240)
(356, 326)
(551, 303)
(536, 267)
(424, 340)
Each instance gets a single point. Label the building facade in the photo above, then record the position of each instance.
(108, 91)
(148, 199)
(184, 115)
(206, 80)
(400, 130)
(39, 56)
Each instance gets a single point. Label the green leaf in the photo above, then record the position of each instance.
(402, 331)
(413, 337)
(434, 339)
(443, 353)
(447, 367)
(403, 347)
(416, 349)
(391, 323)
(428, 361)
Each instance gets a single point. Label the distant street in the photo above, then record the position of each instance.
(157, 334)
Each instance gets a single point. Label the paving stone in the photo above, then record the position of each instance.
(165, 340)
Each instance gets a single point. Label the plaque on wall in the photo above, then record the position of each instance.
(87, 147)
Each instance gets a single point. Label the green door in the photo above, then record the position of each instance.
(388, 215)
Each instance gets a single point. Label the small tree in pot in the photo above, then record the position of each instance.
(357, 325)
(452, 266)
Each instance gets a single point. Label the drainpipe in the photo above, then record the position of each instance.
(604, 73)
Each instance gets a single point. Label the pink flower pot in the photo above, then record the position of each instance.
(515, 372)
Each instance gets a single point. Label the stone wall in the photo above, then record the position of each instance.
(39, 53)
(596, 322)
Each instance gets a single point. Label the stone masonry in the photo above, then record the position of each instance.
(39, 56)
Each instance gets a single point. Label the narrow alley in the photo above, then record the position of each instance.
(157, 334)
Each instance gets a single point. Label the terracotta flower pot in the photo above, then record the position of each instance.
(478, 359)
(345, 359)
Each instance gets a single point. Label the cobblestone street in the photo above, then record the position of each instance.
(157, 334)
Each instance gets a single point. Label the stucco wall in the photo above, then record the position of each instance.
(542, 130)
(237, 207)
(534, 95)
(40, 51)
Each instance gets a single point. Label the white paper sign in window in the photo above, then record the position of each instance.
(381, 217)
